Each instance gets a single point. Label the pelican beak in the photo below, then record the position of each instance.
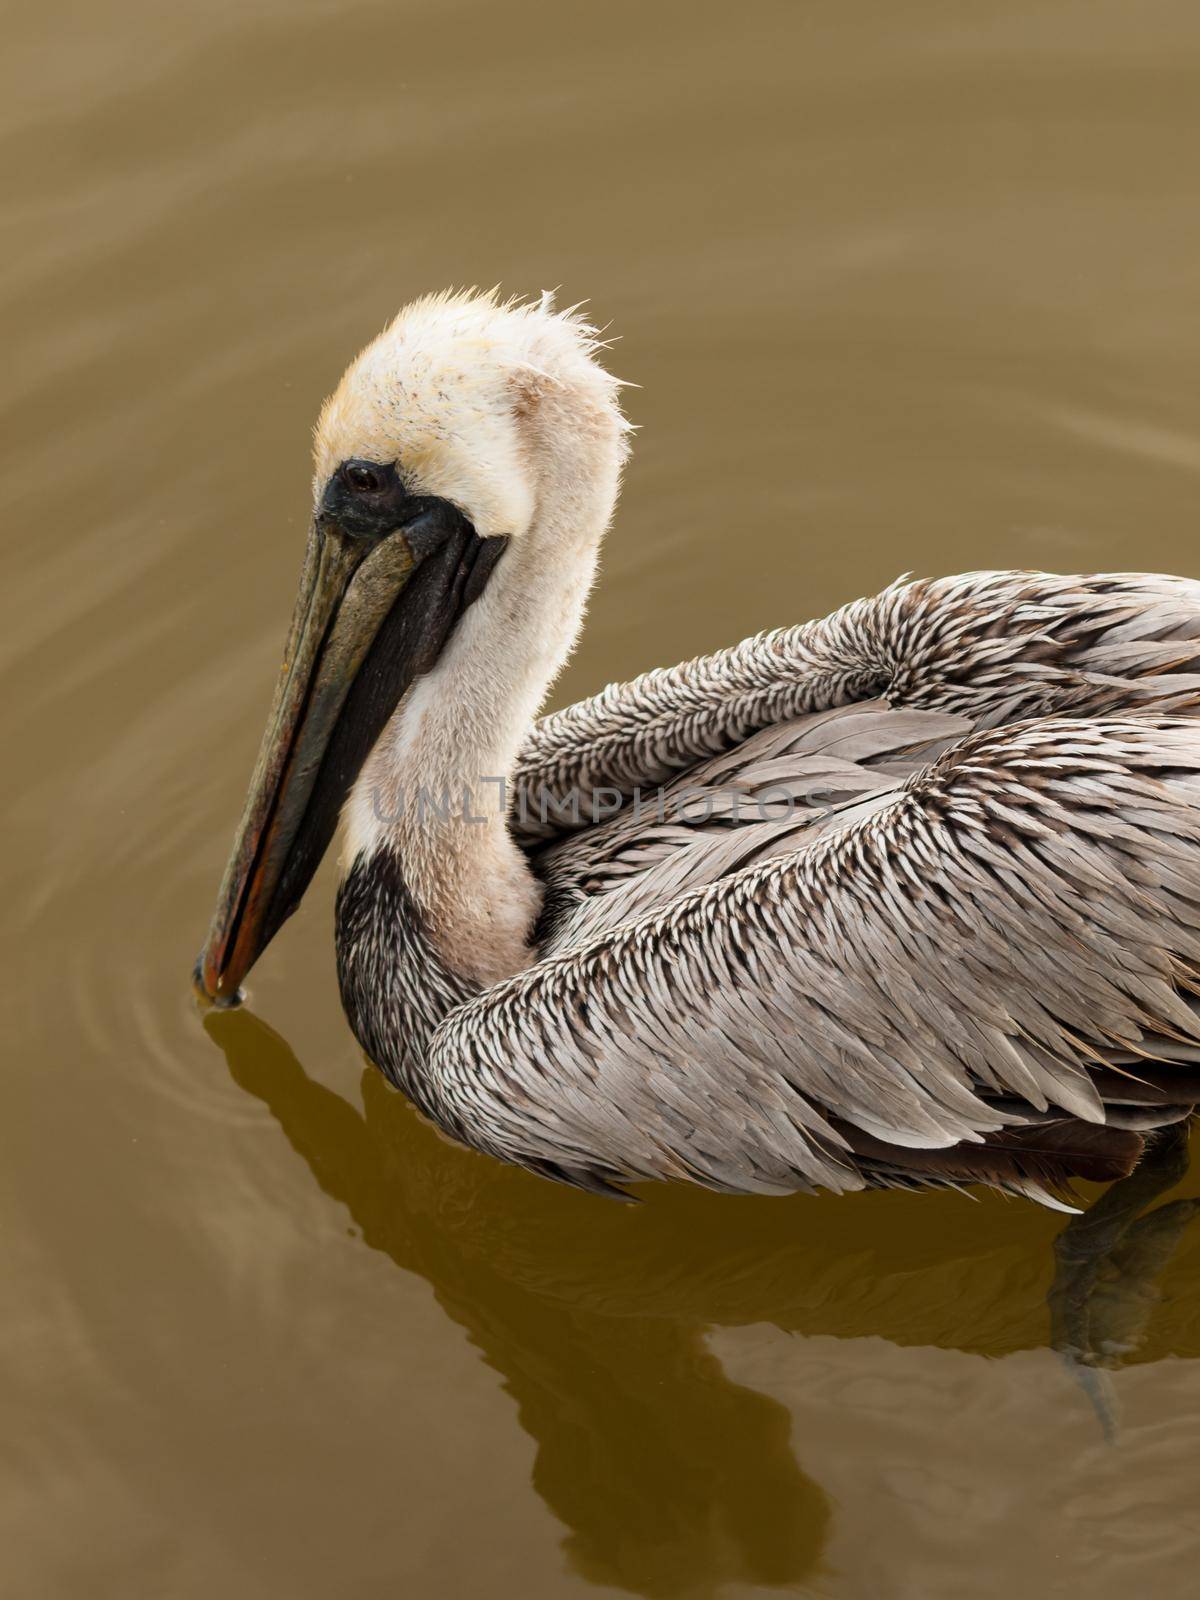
(378, 598)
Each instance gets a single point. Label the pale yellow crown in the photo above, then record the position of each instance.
(453, 391)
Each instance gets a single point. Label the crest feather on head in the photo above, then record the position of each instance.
(454, 391)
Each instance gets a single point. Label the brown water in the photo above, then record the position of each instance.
(907, 286)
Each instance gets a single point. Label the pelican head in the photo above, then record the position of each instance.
(468, 427)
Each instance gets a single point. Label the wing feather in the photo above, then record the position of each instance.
(977, 954)
(994, 647)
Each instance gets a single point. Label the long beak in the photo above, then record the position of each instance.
(370, 618)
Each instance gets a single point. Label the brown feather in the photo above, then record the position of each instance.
(1048, 1152)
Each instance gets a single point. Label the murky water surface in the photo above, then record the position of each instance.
(906, 286)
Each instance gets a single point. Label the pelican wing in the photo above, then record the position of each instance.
(985, 976)
(772, 795)
(994, 647)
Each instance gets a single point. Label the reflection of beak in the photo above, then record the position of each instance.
(371, 616)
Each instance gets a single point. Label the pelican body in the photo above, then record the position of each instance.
(907, 895)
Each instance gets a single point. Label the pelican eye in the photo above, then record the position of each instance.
(360, 477)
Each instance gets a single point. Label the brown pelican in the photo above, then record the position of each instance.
(909, 895)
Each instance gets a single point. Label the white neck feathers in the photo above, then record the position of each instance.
(434, 790)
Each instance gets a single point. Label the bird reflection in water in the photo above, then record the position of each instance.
(672, 1478)
(1108, 1263)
